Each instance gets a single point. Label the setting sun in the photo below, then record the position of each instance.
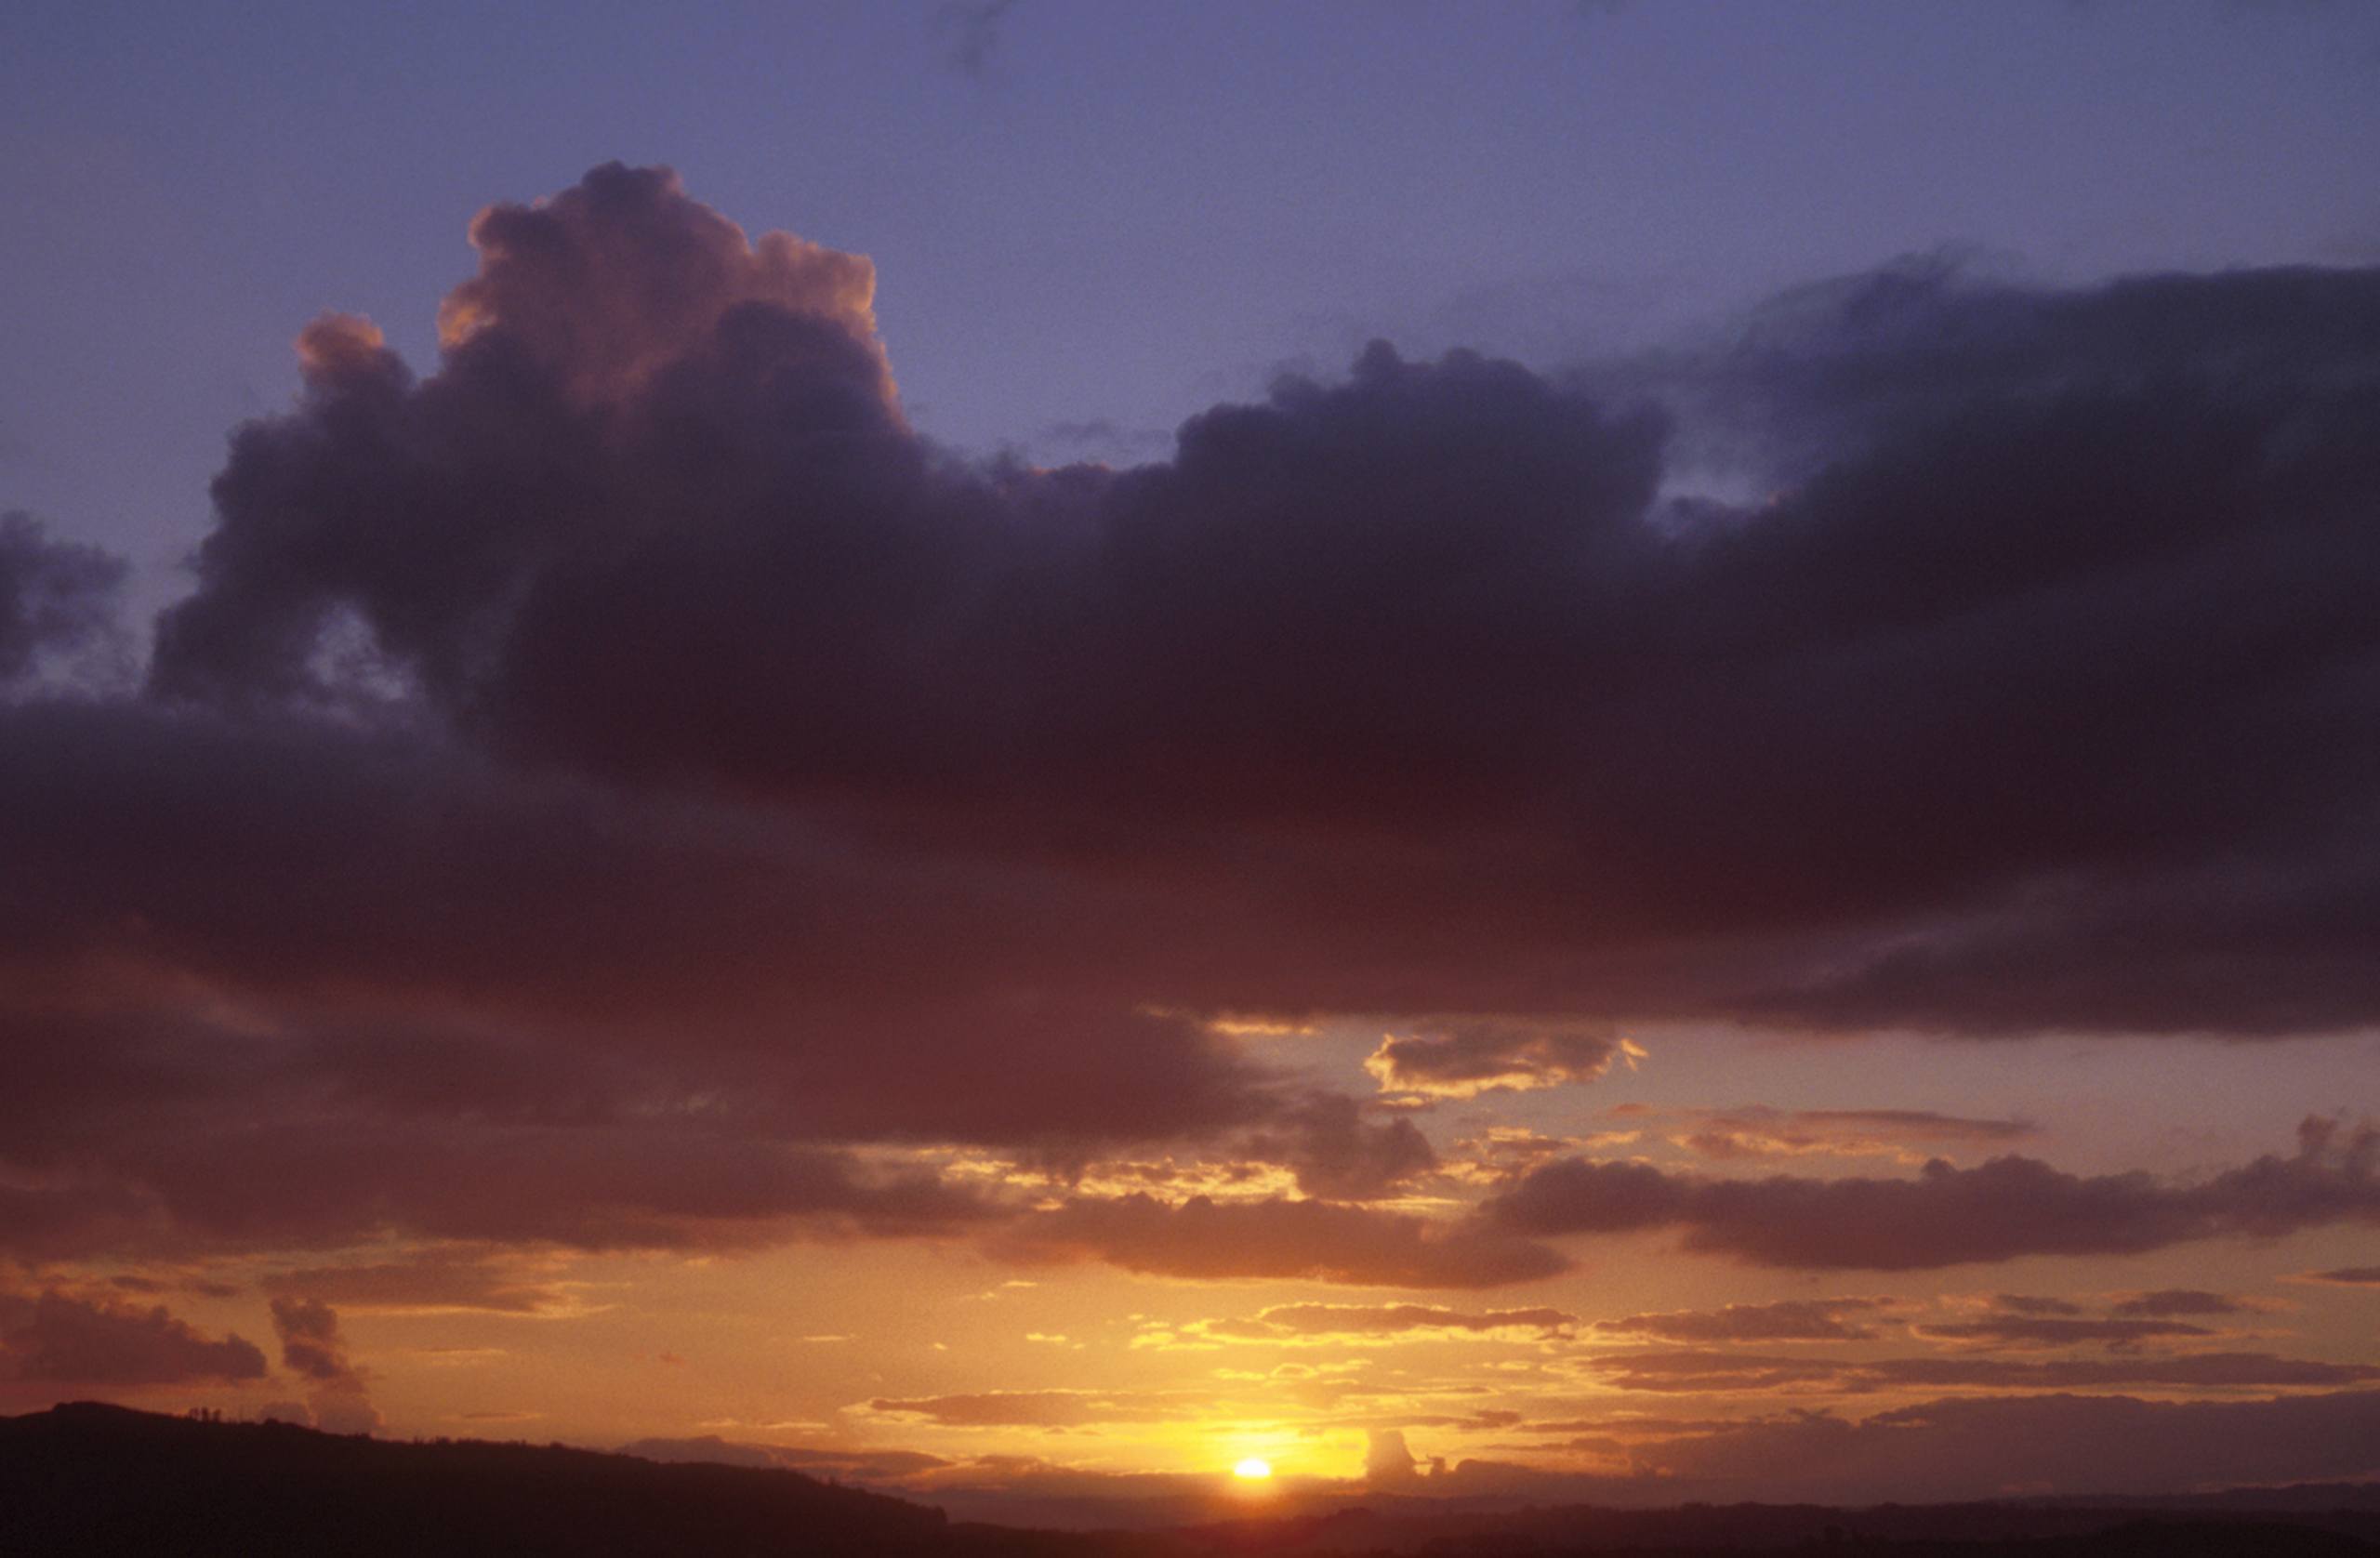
(1573, 871)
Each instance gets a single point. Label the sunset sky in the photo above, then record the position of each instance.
(1589, 750)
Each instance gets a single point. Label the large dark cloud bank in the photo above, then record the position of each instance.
(632, 770)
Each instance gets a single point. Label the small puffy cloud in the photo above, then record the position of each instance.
(310, 1344)
(54, 1338)
(1338, 1154)
(55, 596)
(312, 1347)
(1387, 1462)
(607, 282)
(1466, 1059)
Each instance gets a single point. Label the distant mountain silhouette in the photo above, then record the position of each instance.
(95, 1480)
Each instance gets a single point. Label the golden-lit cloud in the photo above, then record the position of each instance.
(1466, 1059)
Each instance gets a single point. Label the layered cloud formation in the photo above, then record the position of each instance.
(1948, 1216)
(2041, 679)
(625, 788)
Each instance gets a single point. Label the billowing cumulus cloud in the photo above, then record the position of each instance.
(1465, 1060)
(1317, 1240)
(57, 1338)
(2021, 704)
(1946, 1216)
(1388, 1461)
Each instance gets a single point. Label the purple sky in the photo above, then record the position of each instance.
(1121, 213)
(1531, 735)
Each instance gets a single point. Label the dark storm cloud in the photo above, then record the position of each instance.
(470, 1003)
(2049, 667)
(1946, 1216)
(630, 765)
(54, 595)
(57, 1339)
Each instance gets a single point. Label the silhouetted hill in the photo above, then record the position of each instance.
(93, 1480)
(83, 1478)
(1900, 1530)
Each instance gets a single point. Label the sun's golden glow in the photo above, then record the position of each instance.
(1253, 1468)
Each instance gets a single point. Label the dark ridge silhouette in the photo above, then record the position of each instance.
(84, 1478)
(1902, 1530)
